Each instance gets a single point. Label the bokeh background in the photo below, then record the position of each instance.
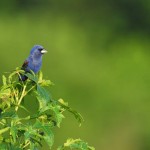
(98, 58)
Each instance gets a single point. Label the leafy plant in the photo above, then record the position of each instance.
(28, 132)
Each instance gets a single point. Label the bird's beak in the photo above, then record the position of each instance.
(43, 51)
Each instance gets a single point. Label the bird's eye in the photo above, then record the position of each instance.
(40, 49)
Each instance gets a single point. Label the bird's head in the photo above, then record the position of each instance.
(38, 50)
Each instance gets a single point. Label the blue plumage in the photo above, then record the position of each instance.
(34, 61)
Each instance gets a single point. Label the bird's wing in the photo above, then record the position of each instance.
(25, 64)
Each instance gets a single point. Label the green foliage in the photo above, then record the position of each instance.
(28, 132)
(76, 144)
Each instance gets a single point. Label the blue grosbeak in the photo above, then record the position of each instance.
(34, 61)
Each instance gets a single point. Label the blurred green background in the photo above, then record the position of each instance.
(98, 58)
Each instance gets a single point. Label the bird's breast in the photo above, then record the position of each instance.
(35, 66)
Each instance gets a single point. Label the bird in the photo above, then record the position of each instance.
(34, 61)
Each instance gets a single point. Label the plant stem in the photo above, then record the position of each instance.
(26, 144)
(22, 95)
(31, 88)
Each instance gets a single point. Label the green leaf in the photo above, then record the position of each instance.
(4, 80)
(33, 146)
(1, 139)
(75, 113)
(13, 132)
(5, 93)
(43, 82)
(3, 146)
(9, 114)
(32, 77)
(40, 76)
(4, 130)
(31, 135)
(57, 114)
(76, 144)
(43, 93)
(13, 147)
(48, 135)
(42, 96)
